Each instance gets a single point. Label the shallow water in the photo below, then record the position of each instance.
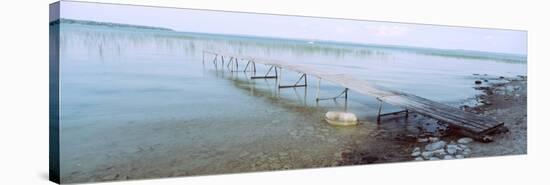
(140, 103)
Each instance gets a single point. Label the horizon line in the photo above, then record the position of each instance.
(391, 46)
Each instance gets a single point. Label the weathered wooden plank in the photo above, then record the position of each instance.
(450, 114)
(443, 116)
(467, 121)
(431, 106)
(468, 117)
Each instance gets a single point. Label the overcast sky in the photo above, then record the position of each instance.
(366, 32)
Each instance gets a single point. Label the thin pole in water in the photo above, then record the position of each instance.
(279, 76)
(318, 89)
(379, 111)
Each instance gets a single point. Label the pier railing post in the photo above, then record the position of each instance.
(302, 76)
(246, 67)
(379, 111)
(318, 89)
(279, 77)
(343, 94)
(215, 61)
(266, 76)
(305, 79)
(254, 65)
(380, 114)
(228, 66)
(236, 65)
(222, 60)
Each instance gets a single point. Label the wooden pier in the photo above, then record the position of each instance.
(470, 124)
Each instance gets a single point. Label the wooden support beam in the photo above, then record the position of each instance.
(290, 86)
(266, 76)
(343, 94)
(395, 113)
(302, 77)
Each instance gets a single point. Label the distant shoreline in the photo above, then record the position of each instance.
(95, 23)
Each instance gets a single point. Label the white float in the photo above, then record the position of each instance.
(341, 118)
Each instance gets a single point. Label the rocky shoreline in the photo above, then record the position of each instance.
(438, 149)
(503, 99)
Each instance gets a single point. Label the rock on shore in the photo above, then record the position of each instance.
(439, 149)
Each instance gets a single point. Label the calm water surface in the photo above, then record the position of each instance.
(139, 103)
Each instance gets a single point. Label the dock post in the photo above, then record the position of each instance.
(266, 76)
(379, 111)
(254, 65)
(215, 61)
(302, 76)
(246, 67)
(346, 103)
(253, 71)
(318, 89)
(346, 95)
(223, 62)
(228, 64)
(236, 64)
(305, 80)
(231, 65)
(279, 77)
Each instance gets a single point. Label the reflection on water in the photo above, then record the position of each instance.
(139, 103)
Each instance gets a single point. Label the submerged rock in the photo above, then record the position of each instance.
(338, 154)
(439, 152)
(422, 140)
(433, 139)
(487, 139)
(276, 165)
(416, 152)
(447, 157)
(110, 177)
(341, 118)
(244, 154)
(466, 151)
(486, 102)
(283, 153)
(465, 140)
(435, 146)
(427, 154)
(452, 149)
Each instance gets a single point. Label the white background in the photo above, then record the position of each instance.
(24, 90)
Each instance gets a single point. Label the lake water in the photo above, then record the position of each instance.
(139, 103)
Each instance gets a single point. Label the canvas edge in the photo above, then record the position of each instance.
(54, 158)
